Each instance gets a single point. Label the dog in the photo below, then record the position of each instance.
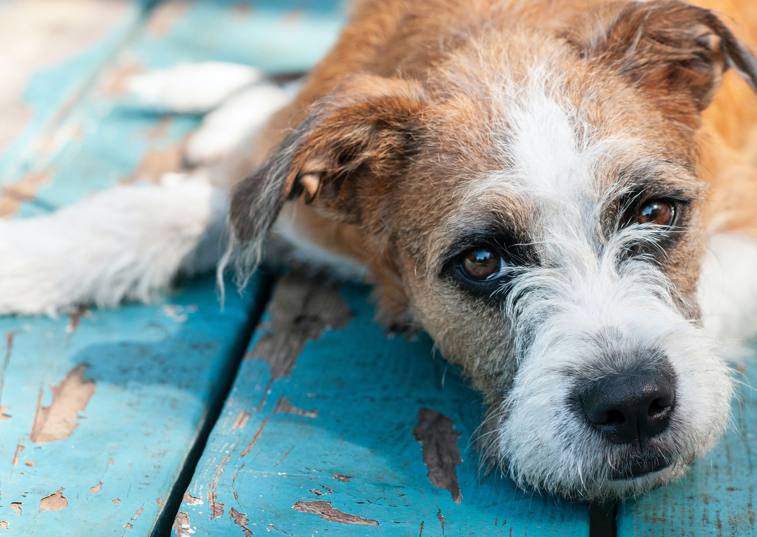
(560, 193)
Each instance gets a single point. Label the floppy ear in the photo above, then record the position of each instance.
(674, 51)
(357, 140)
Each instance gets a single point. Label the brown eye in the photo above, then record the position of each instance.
(657, 213)
(482, 264)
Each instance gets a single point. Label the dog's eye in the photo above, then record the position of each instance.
(657, 213)
(483, 264)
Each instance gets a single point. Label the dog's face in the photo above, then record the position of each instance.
(535, 205)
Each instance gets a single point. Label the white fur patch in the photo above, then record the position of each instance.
(124, 243)
(192, 88)
(728, 287)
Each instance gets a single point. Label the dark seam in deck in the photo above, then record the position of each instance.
(603, 519)
(165, 521)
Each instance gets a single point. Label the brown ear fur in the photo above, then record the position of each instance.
(674, 51)
(357, 139)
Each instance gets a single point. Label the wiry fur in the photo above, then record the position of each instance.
(537, 126)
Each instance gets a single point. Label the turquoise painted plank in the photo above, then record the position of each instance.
(55, 89)
(117, 136)
(717, 496)
(318, 436)
(100, 411)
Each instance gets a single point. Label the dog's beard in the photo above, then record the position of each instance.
(585, 322)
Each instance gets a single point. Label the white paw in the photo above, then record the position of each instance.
(192, 88)
(233, 122)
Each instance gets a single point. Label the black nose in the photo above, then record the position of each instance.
(630, 406)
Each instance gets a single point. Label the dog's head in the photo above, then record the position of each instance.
(534, 203)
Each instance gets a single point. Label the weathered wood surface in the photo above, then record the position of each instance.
(100, 410)
(333, 427)
(717, 497)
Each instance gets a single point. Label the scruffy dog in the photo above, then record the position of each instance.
(560, 192)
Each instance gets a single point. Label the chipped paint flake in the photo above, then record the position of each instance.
(128, 526)
(3, 415)
(19, 448)
(241, 420)
(58, 421)
(54, 502)
(188, 499)
(181, 525)
(330, 514)
(441, 455)
(343, 478)
(75, 319)
(240, 519)
(4, 525)
(97, 488)
(283, 406)
(115, 500)
(16, 506)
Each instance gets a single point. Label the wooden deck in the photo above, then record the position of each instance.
(289, 411)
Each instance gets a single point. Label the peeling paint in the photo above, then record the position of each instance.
(139, 512)
(343, 478)
(188, 499)
(241, 420)
(16, 506)
(181, 525)
(97, 488)
(330, 514)
(54, 502)
(318, 492)
(58, 421)
(216, 507)
(3, 415)
(29, 463)
(254, 439)
(75, 319)
(19, 448)
(301, 308)
(11, 196)
(128, 526)
(115, 500)
(240, 519)
(283, 406)
(4, 525)
(159, 501)
(437, 435)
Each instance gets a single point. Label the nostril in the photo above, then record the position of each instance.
(657, 407)
(614, 418)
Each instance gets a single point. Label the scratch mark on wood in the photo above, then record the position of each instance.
(16, 506)
(438, 437)
(440, 517)
(216, 508)
(4, 525)
(284, 457)
(421, 532)
(343, 478)
(97, 488)
(330, 514)
(181, 525)
(75, 319)
(302, 307)
(241, 420)
(189, 499)
(54, 502)
(283, 406)
(58, 421)
(240, 519)
(254, 439)
(19, 448)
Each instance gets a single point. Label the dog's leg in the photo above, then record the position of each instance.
(192, 88)
(233, 122)
(728, 287)
(125, 243)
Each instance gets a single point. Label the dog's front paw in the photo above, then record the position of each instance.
(192, 88)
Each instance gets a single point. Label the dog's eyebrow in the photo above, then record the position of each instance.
(492, 232)
(658, 179)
